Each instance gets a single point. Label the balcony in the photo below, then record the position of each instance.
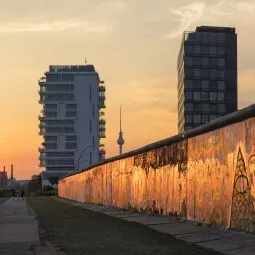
(101, 103)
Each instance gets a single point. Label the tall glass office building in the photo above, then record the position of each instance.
(207, 76)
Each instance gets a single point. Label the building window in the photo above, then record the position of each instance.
(188, 119)
(222, 108)
(188, 95)
(221, 51)
(197, 84)
(212, 117)
(205, 61)
(59, 97)
(205, 96)
(197, 61)
(197, 49)
(221, 62)
(197, 96)
(213, 96)
(188, 72)
(214, 38)
(206, 37)
(204, 119)
(197, 107)
(213, 62)
(221, 85)
(68, 77)
(221, 38)
(221, 96)
(189, 84)
(205, 84)
(213, 85)
(71, 146)
(213, 50)
(59, 130)
(221, 73)
(50, 138)
(71, 138)
(50, 146)
(50, 106)
(197, 119)
(213, 73)
(50, 114)
(71, 106)
(205, 73)
(197, 73)
(53, 77)
(205, 107)
(189, 107)
(205, 50)
(188, 49)
(188, 61)
(71, 114)
(213, 108)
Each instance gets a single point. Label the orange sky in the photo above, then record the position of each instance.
(133, 45)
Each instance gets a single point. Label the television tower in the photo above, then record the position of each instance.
(120, 140)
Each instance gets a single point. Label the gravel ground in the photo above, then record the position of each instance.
(79, 231)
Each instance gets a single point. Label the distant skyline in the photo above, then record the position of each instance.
(133, 45)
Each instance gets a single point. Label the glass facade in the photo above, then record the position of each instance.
(207, 76)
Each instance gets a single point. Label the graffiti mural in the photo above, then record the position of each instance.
(175, 154)
(243, 213)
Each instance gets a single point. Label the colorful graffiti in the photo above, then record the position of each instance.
(208, 178)
(168, 155)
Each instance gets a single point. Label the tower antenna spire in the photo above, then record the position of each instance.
(120, 118)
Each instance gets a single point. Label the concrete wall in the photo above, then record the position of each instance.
(208, 177)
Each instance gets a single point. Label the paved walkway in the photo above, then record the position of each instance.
(224, 241)
(18, 228)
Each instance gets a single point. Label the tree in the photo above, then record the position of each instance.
(53, 180)
(35, 184)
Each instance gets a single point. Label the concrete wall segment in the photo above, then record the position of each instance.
(209, 177)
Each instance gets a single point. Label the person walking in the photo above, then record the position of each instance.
(13, 194)
(22, 193)
(17, 194)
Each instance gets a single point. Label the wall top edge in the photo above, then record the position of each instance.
(218, 123)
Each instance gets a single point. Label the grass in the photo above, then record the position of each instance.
(79, 231)
(3, 199)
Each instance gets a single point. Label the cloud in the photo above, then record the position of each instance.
(200, 11)
(53, 27)
(187, 15)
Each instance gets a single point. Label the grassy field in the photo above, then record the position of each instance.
(2, 199)
(80, 231)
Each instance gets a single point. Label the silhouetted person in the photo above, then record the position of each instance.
(13, 194)
(22, 194)
(17, 194)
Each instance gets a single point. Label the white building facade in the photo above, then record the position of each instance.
(72, 119)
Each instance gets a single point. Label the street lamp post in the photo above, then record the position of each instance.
(77, 164)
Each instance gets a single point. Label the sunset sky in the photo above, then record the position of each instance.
(133, 45)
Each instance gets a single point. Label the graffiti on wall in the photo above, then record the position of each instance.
(175, 154)
(242, 213)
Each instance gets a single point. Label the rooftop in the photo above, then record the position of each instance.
(216, 29)
(72, 68)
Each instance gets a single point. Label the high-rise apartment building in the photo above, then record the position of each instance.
(207, 76)
(72, 121)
